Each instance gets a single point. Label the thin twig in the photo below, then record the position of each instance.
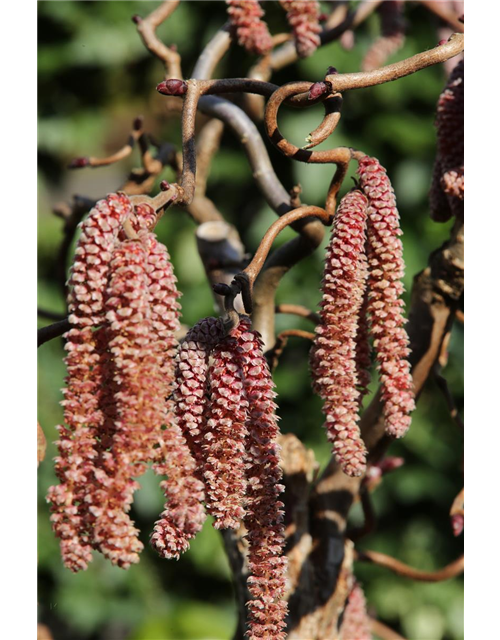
(50, 315)
(451, 570)
(443, 386)
(298, 310)
(370, 519)
(281, 341)
(147, 30)
(442, 10)
(383, 631)
(52, 331)
(254, 268)
(121, 154)
(212, 54)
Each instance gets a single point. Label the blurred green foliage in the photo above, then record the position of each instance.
(94, 78)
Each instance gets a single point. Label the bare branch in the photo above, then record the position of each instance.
(52, 331)
(451, 570)
(147, 30)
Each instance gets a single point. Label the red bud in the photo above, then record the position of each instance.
(172, 87)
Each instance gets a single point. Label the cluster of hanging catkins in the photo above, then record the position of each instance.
(362, 291)
(302, 15)
(203, 414)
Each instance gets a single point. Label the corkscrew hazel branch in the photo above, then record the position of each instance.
(346, 81)
(255, 266)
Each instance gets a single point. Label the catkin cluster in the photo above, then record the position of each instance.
(224, 405)
(124, 314)
(245, 16)
(362, 292)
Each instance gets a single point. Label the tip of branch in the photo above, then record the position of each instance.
(164, 185)
(172, 87)
(138, 123)
(317, 89)
(136, 19)
(79, 163)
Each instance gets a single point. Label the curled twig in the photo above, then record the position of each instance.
(297, 310)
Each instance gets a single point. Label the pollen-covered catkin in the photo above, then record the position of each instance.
(303, 17)
(78, 442)
(335, 357)
(252, 33)
(264, 511)
(385, 304)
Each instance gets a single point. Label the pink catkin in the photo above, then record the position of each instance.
(264, 511)
(252, 33)
(448, 176)
(303, 17)
(385, 306)
(224, 438)
(191, 385)
(392, 38)
(139, 403)
(335, 357)
(184, 515)
(363, 349)
(355, 621)
(77, 443)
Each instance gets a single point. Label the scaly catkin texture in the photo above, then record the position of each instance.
(78, 438)
(224, 438)
(264, 511)
(448, 175)
(252, 33)
(184, 514)
(335, 357)
(303, 17)
(139, 404)
(355, 622)
(385, 306)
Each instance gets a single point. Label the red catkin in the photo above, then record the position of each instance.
(392, 37)
(448, 175)
(224, 437)
(252, 33)
(385, 306)
(303, 17)
(190, 387)
(139, 404)
(264, 511)
(78, 444)
(355, 622)
(335, 357)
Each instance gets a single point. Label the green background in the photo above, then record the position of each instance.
(94, 77)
